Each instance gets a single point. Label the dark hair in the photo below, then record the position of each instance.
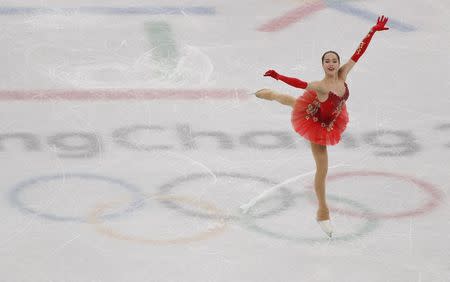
(327, 52)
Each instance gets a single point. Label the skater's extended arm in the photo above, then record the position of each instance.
(379, 26)
(292, 81)
(298, 83)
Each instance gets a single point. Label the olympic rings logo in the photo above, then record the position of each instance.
(284, 200)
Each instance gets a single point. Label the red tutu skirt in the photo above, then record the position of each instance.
(320, 122)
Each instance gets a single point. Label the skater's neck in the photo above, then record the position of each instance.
(330, 78)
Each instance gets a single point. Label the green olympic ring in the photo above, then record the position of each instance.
(370, 224)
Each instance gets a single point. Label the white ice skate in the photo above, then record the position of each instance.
(264, 94)
(326, 227)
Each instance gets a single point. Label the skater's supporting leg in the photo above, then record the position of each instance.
(321, 157)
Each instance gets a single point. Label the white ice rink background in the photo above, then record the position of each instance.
(129, 139)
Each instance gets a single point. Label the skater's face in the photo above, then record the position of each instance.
(330, 63)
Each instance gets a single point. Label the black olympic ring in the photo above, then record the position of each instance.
(167, 187)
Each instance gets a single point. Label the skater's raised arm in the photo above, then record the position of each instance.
(379, 26)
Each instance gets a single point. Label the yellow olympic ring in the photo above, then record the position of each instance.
(93, 218)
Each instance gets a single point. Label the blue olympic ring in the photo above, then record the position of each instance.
(137, 200)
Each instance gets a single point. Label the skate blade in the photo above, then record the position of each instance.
(326, 227)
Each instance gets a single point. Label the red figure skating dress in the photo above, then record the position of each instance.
(320, 122)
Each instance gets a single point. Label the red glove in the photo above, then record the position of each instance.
(292, 81)
(380, 26)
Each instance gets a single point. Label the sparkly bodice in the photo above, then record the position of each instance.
(333, 96)
(327, 111)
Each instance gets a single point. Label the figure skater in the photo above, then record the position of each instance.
(320, 114)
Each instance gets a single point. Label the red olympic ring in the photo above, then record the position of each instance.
(433, 202)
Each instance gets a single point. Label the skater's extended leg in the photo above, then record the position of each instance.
(321, 157)
(272, 95)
